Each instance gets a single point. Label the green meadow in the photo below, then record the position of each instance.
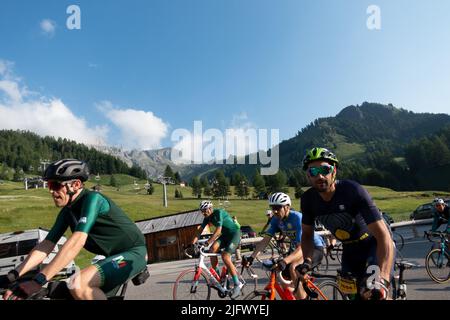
(27, 209)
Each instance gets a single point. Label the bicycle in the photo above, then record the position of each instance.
(278, 285)
(399, 288)
(437, 261)
(398, 240)
(196, 283)
(58, 289)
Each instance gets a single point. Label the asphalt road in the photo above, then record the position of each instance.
(420, 286)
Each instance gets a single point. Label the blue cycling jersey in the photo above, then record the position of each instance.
(292, 227)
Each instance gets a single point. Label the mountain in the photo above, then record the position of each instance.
(154, 162)
(377, 144)
(357, 131)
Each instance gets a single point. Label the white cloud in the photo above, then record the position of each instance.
(139, 129)
(48, 27)
(45, 116)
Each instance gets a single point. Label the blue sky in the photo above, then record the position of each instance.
(137, 70)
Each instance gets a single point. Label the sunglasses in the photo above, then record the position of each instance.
(56, 186)
(323, 170)
(276, 207)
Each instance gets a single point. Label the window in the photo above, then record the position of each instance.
(7, 250)
(162, 242)
(26, 246)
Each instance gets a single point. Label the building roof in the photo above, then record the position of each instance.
(170, 222)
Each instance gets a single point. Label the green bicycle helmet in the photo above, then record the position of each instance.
(318, 153)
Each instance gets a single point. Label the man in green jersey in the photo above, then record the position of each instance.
(227, 236)
(97, 224)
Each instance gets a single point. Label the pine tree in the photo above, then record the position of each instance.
(196, 187)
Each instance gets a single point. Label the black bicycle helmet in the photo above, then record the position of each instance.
(67, 169)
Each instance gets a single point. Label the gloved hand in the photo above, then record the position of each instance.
(23, 290)
(379, 291)
(280, 265)
(26, 289)
(305, 267)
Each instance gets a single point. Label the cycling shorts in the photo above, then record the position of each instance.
(230, 242)
(357, 257)
(119, 268)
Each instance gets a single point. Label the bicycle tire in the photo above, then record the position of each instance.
(250, 282)
(322, 267)
(398, 240)
(436, 261)
(338, 251)
(256, 295)
(331, 290)
(183, 284)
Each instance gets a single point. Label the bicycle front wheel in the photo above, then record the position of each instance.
(331, 291)
(186, 287)
(398, 240)
(437, 264)
(338, 250)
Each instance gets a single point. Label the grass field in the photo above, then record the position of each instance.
(21, 209)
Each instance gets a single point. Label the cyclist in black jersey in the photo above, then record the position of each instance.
(346, 209)
(97, 224)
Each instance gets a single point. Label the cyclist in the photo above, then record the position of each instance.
(227, 236)
(346, 209)
(97, 224)
(441, 215)
(289, 222)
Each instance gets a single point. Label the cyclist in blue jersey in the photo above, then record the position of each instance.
(289, 222)
(346, 209)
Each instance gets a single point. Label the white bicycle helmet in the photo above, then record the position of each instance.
(205, 204)
(279, 198)
(438, 201)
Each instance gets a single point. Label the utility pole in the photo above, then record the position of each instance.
(164, 181)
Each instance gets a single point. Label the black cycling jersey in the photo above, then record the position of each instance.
(346, 215)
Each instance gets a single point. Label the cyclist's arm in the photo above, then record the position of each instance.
(35, 257)
(215, 235)
(261, 245)
(385, 248)
(43, 249)
(199, 232)
(68, 252)
(296, 255)
(307, 244)
(435, 221)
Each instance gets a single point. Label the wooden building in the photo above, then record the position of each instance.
(166, 236)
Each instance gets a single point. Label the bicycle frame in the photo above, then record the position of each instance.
(211, 273)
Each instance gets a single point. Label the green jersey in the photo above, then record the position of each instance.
(220, 218)
(109, 229)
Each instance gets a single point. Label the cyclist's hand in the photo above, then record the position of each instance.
(23, 290)
(280, 265)
(304, 268)
(379, 292)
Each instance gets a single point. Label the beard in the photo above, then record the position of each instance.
(322, 185)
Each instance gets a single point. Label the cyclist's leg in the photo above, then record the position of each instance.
(119, 268)
(215, 248)
(230, 243)
(86, 285)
